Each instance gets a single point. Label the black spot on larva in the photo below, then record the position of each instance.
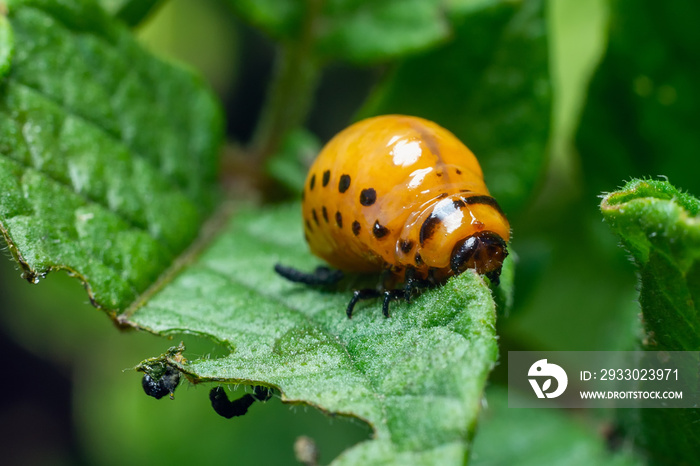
(306, 237)
(356, 227)
(458, 204)
(465, 190)
(368, 196)
(486, 200)
(312, 183)
(379, 231)
(326, 178)
(418, 259)
(442, 196)
(344, 183)
(458, 171)
(324, 212)
(428, 228)
(339, 219)
(438, 173)
(406, 245)
(313, 214)
(308, 224)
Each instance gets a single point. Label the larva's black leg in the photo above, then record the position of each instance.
(431, 277)
(388, 296)
(322, 276)
(494, 276)
(357, 295)
(409, 284)
(385, 303)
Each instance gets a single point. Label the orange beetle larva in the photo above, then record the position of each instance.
(400, 194)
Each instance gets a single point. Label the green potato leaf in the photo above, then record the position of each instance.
(660, 227)
(365, 31)
(108, 156)
(357, 30)
(417, 378)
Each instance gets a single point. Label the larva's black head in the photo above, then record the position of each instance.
(483, 251)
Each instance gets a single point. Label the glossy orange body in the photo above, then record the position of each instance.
(394, 191)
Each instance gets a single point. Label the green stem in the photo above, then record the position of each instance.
(291, 91)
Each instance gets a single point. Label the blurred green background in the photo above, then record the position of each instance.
(67, 389)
